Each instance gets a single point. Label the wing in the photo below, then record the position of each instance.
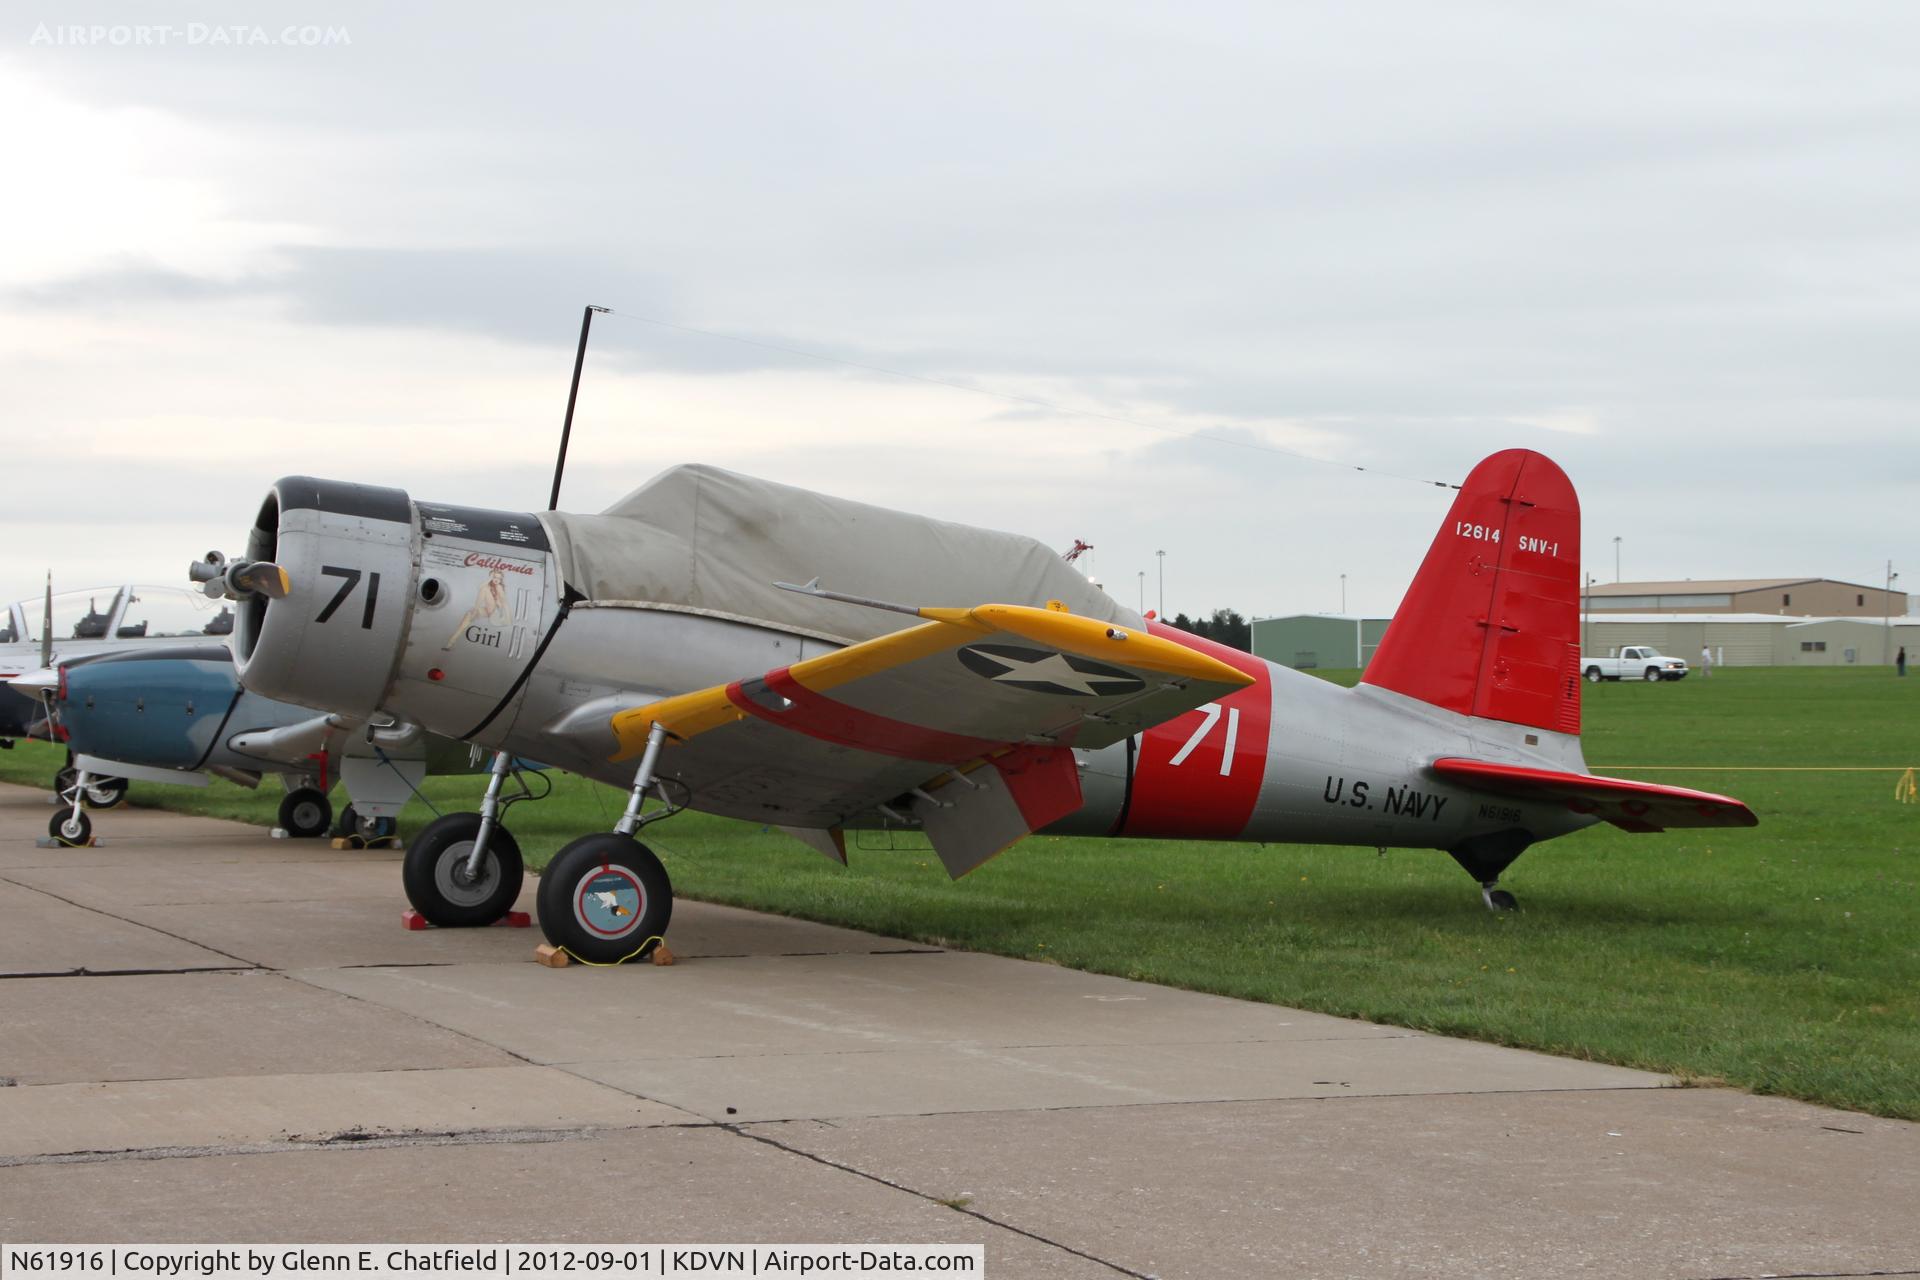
(966, 723)
(1627, 804)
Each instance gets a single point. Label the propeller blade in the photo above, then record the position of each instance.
(264, 577)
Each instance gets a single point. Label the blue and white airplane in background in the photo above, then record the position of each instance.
(38, 632)
(177, 714)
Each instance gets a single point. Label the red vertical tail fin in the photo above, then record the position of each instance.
(1491, 625)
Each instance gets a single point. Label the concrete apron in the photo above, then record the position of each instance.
(185, 1065)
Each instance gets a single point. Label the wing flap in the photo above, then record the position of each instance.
(976, 815)
(1626, 803)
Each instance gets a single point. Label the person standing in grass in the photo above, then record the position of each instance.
(1706, 662)
(1900, 660)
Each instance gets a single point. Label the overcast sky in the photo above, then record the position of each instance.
(1676, 248)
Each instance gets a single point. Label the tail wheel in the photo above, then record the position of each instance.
(1593, 675)
(71, 829)
(605, 899)
(350, 823)
(305, 813)
(435, 873)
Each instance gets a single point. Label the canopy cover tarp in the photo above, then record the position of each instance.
(711, 541)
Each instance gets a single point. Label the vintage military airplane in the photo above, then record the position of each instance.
(177, 714)
(959, 681)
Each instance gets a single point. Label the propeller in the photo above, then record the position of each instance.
(239, 578)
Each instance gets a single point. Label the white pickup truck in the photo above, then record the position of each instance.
(1636, 662)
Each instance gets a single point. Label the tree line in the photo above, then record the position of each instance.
(1222, 626)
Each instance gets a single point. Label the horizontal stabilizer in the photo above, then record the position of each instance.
(1629, 805)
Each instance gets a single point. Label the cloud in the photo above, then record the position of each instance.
(1672, 250)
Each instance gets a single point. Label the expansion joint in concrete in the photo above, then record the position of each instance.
(944, 1202)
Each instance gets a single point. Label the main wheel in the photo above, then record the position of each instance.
(305, 813)
(1593, 675)
(104, 793)
(1653, 674)
(605, 899)
(71, 829)
(101, 793)
(435, 873)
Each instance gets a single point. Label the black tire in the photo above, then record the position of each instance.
(306, 813)
(104, 793)
(1593, 675)
(434, 873)
(605, 899)
(1501, 900)
(71, 829)
(1652, 675)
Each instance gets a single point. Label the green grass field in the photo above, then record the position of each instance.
(1783, 959)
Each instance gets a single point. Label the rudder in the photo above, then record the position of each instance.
(1491, 625)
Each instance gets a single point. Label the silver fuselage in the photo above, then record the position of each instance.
(454, 619)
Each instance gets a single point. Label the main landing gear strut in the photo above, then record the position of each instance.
(71, 826)
(465, 869)
(76, 791)
(605, 898)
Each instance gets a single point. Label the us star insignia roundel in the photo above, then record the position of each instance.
(1044, 671)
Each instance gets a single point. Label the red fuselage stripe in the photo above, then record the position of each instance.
(1210, 794)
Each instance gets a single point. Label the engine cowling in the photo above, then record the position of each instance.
(332, 639)
(381, 603)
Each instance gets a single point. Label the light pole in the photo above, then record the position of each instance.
(1616, 558)
(1886, 607)
(1586, 616)
(1143, 591)
(1343, 594)
(1162, 556)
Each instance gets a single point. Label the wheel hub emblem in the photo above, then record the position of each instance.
(609, 902)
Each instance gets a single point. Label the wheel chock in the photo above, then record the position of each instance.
(411, 919)
(662, 956)
(552, 957)
(48, 842)
(349, 842)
